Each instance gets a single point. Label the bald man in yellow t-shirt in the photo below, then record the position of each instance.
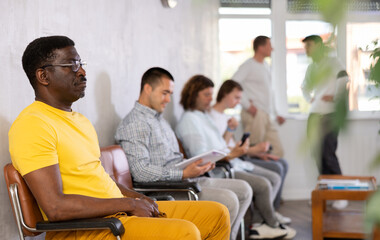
(56, 150)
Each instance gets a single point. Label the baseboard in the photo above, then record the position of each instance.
(296, 194)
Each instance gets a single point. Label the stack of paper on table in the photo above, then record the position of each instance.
(349, 184)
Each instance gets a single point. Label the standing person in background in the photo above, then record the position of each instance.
(258, 99)
(229, 96)
(324, 84)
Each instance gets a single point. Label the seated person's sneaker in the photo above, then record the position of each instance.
(263, 231)
(291, 231)
(282, 219)
(340, 204)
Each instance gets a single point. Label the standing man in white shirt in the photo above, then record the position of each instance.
(324, 84)
(258, 99)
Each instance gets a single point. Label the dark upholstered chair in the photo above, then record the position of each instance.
(116, 165)
(29, 218)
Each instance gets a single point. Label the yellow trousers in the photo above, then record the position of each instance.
(186, 220)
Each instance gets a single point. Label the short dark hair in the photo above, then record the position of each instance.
(227, 87)
(153, 77)
(40, 52)
(191, 89)
(314, 38)
(259, 41)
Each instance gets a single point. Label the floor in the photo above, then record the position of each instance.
(300, 213)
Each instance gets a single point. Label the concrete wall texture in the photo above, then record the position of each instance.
(120, 40)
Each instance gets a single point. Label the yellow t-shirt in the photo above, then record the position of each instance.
(42, 136)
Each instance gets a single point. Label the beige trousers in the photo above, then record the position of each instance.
(262, 128)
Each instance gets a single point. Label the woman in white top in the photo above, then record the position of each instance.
(229, 96)
(198, 134)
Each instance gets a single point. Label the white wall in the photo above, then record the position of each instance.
(119, 39)
(357, 147)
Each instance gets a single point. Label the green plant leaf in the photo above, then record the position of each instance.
(341, 111)
(376, 161)
(372, 211)
(333, 11)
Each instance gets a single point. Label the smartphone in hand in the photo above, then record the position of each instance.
(270, 148)
(244, 137)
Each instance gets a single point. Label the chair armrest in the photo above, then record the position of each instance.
(168, 185)
(223, 163)
(113, 224)
(158, 197)
(225, 167)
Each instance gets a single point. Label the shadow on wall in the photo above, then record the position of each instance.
(5, 125)
(7, 228)
(107, 120)
(168, 113)
(4, 151)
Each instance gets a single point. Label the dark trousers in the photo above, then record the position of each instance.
(328, 143)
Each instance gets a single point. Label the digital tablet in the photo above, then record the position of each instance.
(211, 156)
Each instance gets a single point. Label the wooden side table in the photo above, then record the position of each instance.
(339, 224)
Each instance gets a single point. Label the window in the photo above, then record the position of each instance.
(245, 11)
(359, 46)
(240, 22)
(235, 39)
(292, 20)
(353, 38)
(313, 6)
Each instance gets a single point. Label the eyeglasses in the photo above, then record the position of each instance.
(75, 65)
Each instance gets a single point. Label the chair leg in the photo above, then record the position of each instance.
(232, 173)
(192, 195)
(242, 228)
(17, 209)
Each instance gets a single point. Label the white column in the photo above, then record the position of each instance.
(278, 17)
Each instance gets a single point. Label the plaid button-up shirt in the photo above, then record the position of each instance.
(150, 145)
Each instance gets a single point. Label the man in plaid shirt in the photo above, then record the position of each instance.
(152, 149)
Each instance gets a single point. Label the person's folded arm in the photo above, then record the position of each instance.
(341, 84)
(306, 91)
(46, 186)
(228, 134)
(306, 94)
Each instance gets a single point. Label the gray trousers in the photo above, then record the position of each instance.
(280, 167)
(235, 194)
(265, 185)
